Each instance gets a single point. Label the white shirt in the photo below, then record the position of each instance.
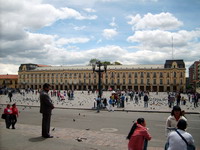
(172, 123)
(176, 142)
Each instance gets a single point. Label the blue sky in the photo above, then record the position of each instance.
(71, 32)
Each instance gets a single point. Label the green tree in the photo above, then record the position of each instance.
(117, 63)
(93, 61)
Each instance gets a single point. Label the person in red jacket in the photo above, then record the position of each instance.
(14, 115)
(8, 112)
(138, 136)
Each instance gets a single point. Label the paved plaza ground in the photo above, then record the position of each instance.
(103, 133)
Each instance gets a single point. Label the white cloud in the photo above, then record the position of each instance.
(90, 10)
(77, 28)
(8, 68)
(162, 21)
(159, 38)
(65, 41)
(26, 14)
(113, 24)
(109, 33)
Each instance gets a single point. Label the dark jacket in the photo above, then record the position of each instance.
(146, 98)
(46, 105)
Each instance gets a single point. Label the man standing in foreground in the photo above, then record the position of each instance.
(46, 107)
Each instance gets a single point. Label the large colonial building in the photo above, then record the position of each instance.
(194, 74)
(167, 77)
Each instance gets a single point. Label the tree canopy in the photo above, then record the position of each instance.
(94, 60)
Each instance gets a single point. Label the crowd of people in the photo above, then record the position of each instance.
(176, 123)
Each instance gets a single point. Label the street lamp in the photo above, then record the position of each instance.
(99, 68)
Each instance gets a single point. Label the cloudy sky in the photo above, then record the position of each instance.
(71, 32)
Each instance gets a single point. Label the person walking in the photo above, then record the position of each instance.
(138, 136)
(14, 115)
(146, 99)
(172, 120)
(46, 107)
(8, 112)
(175, 140)
(10, 96)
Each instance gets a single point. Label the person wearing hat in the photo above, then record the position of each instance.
(172, 120)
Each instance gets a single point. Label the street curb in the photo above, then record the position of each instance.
(124, 110)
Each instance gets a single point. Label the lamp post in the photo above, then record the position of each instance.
(99, 68)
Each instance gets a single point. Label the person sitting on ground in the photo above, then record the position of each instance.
(138, 136)
(174, 139)
(172, 120)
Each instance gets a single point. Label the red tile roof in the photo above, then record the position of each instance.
(8, 76)
(39, 65)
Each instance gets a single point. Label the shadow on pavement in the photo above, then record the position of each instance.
(37, 139)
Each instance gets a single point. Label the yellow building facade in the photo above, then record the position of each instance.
(167, 77)
(8, 81)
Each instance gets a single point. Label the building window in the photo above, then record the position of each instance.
(142, 82)
(129, 75)
(161, 74)
(112, 75)
(65, 74)
(135, 74)
(168, 74)
(154, 81)
(142, 74)
(118, 75)
(129, 81)
(95, 81)
(148, 81)
(118, 81)
(161, 81)
(154, 74)
(112, 82)
(181, 81)
(181, 75)
(174, 74)
(148, 74)
(124, 81)
(124, 75)
(174, 81)
(168, 81)
(135, 81)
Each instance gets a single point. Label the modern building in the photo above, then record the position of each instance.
(194, 74)
(166, 77)
(8, 81)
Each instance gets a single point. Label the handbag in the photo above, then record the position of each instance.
(189, 146)
(166, 145)
(3, 116)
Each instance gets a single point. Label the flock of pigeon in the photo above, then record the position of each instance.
(85, 100)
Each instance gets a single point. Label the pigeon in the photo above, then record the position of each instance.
(74, 120)
(87, 129)
(53, 129)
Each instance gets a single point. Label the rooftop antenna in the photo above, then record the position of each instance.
(172, 48)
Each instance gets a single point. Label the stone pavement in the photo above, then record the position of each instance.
(27, 136)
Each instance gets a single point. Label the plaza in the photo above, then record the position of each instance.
(76, 125)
